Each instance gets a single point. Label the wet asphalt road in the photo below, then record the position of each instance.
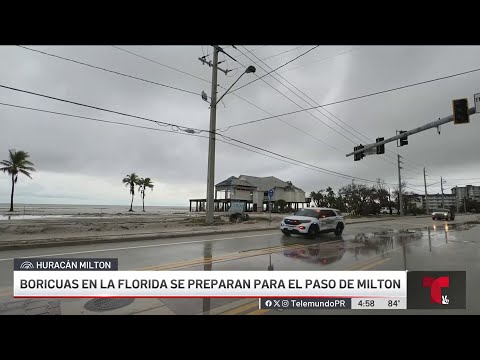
(399, 244)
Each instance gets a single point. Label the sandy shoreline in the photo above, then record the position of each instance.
(127, 223)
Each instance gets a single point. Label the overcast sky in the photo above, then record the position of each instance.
(83, 162)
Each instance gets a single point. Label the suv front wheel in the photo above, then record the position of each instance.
(339, 229)
(312, 231)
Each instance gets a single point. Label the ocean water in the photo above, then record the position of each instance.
(58, 210)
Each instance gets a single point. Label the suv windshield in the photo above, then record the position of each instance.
(308, 212)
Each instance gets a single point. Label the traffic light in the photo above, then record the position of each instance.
(358, 156)
(403, 141)
(381, 148)
(460, 111)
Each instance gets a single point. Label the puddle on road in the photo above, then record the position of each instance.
(326, 252)
(347, 252)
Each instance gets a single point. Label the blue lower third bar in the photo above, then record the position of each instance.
(306, 303)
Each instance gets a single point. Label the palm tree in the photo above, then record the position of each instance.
(143, 185)
(17, 163)
(131, 180)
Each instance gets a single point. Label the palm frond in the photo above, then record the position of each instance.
(18, 163)
(27, 163)
(24, 172)
(148, 183)
(28, 168)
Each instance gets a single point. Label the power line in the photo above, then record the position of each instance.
(364, 136)
(279, 67)
(183, 128)
(224, 52)
(301, 98)
(463, 179)
(292, 92)
(254, 49)
(287, 97)
(159, 63)
(102, 109)
(411, 188)
(205, 80)
(464, 185)
(148, 59)
(319, 60)
(245, 100)
(269, 57)
(98, 120)
(284, 52)
(144, 127)
(170, 67)
(301, 162)
(281, 157)
(355, 98)
(110, 71)
(196, 77)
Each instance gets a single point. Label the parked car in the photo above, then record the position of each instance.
(313, 221)
(443, 214)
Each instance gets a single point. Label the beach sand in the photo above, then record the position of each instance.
(94, 224)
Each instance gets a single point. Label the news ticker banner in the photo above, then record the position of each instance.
(100, 277)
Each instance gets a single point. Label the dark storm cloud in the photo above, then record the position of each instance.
(72, 146)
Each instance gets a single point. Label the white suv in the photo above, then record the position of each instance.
(312, 221)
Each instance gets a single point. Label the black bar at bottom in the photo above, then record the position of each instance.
(306, 303)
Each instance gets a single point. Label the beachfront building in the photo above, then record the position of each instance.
(435, 201)
(470, 192)
(253, 192)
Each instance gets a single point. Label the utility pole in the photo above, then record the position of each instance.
(456, 196)
(213, 126)
(443, 198)
(211, 141)
(400, 186)
(425, 182)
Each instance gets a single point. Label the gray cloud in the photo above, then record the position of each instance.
(73, 147)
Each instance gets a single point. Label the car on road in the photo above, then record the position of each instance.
(386, 210)
(443, 214)
(313, 221)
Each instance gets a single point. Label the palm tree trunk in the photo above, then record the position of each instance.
(143, 201)
(13, 190)
(131, 204)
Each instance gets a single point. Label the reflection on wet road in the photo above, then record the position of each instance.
(419, 244)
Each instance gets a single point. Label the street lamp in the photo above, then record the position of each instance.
(211, 140)
(248, 70)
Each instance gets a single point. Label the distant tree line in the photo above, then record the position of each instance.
(361, 199)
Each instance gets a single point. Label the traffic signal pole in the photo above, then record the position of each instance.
(433, 124)
(443, 196)
(425, 183)
(400, 200)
